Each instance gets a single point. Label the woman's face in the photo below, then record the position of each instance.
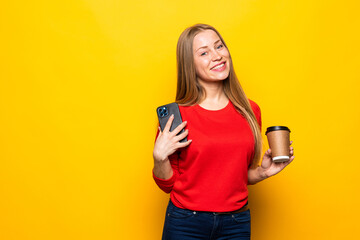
(211, 57)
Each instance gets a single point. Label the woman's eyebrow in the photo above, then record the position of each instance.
(207, 46)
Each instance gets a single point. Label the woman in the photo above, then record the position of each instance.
(207, 176)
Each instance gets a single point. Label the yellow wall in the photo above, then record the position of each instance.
(80, 81)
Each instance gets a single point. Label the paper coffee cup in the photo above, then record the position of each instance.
(279, 143)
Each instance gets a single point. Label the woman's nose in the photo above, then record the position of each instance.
(216, 56)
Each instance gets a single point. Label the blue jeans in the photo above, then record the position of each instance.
(184, 224)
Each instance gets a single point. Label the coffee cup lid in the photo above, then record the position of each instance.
(276, 128)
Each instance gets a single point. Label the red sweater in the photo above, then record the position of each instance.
(211, 174)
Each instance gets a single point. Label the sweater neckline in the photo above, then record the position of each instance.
(204, 110)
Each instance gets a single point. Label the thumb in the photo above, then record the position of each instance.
(268, 152)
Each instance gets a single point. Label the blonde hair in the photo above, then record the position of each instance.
(190, 92)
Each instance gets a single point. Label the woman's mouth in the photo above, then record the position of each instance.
(220, 67)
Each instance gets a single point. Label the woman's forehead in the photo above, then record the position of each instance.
(205, 38)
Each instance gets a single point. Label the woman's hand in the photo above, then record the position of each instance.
(270, 168)
(167, 142)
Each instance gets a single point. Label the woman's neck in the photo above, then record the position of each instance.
(215, 95)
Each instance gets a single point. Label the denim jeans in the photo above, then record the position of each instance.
(184, 224)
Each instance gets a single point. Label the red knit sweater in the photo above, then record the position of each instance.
(211, 174)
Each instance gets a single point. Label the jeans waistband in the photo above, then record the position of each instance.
(242, 209)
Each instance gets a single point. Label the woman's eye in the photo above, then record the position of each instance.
(220, 46)
(202, 54)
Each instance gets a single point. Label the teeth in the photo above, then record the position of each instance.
(219, 66)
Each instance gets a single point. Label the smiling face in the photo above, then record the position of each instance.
(211, 57)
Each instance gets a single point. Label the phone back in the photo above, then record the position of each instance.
(164, 112)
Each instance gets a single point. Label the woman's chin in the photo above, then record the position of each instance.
(217, 77)
(221, 76)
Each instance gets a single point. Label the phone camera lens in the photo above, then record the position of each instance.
(163, 111)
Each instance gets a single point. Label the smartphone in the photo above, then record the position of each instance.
(164, 112)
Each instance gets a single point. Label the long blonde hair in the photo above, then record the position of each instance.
(190, 92)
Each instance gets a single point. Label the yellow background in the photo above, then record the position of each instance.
(80, 81)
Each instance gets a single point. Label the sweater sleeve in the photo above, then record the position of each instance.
(167, 184)
(257, 112)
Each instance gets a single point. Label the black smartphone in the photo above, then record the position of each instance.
(164, 112)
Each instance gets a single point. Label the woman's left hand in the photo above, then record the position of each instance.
(270, 168)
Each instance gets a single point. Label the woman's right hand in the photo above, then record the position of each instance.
(167, 142)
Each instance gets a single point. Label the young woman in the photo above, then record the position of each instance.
(207, 176)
